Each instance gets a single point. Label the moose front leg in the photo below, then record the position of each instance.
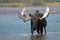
(45, 30)
(32, 30)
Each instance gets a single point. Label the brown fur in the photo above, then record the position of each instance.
(39, 23)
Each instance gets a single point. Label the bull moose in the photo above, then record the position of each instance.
(38, 24)
(38, 20)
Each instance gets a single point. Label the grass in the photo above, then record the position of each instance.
(54, 4)
(10, 4)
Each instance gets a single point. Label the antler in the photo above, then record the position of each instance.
(46, 14)
(23, 11)
(22, 14)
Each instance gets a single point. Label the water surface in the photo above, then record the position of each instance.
(13, 28)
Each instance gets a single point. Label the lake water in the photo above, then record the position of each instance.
(13, 28)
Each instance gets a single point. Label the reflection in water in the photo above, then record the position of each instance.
(38, 37)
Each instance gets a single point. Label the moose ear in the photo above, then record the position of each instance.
(29, 14)
(46, 14)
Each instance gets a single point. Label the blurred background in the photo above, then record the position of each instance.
(13, 28)
(21, 3)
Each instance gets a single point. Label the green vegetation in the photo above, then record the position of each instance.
(21, 3)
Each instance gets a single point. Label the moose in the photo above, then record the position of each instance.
(38, 20)
(38, 24)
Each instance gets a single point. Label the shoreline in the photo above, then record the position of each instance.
(15, 10)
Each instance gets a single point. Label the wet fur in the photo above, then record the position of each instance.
(40, 24)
